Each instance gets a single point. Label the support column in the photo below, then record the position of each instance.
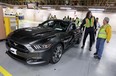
(2, 28)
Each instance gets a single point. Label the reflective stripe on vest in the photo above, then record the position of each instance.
(89, 22)
(102, 32)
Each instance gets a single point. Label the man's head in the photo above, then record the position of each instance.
(106, 20)
(97, 19)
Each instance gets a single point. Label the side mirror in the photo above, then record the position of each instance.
(39, 24)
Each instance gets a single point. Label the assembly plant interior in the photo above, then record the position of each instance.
(57, 37)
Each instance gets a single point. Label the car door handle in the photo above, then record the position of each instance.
(74, 32)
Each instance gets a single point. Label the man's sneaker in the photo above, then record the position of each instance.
(96, 57)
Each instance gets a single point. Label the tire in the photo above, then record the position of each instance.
(56, 54)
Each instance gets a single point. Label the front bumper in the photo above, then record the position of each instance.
(29, 57)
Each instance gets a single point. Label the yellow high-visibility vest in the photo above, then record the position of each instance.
(102, 31)
(89, 22)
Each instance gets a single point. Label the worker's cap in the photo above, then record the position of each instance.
(107, 19)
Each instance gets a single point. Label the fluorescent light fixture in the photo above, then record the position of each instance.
(46, 7)
(96, 9)
(67, 8)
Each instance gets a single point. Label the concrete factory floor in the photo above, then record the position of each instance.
(75, 62)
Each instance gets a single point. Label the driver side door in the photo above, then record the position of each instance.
(72, 32)
(69, 36)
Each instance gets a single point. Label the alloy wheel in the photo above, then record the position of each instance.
(57, 54)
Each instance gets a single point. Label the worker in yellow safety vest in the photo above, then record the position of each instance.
(104, 34)
(77, 21)
(89, 24)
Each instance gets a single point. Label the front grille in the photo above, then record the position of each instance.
(17, 46)
(15, 56)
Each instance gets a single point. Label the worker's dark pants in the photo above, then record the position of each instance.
(89, 31)
(83, 28)
(95, 33)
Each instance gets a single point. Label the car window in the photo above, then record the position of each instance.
(48, 24)
(56, 25)
(72, 27)
(64, 25)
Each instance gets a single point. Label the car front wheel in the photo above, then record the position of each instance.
(56, 53)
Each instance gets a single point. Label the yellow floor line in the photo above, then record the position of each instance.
(4, 72)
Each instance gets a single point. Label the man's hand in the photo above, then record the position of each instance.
(107, 41)
(95, 30)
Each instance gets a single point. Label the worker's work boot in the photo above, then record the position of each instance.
(95, 53)
(82, 47)
(96, 57)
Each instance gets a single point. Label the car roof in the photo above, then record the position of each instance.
(60, 20)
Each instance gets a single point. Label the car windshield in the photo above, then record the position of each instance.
(56, 25)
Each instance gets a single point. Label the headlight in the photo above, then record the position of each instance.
(29, 48)
(44, 46)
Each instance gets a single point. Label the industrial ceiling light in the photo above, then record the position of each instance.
(66, 8)
(96, 9)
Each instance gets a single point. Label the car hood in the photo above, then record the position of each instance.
(31, 34)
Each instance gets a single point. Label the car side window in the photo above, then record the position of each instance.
(72, 27)
(57, 25)
(48, 24)
(64, 25)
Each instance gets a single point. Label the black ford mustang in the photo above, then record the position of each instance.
(45, 43)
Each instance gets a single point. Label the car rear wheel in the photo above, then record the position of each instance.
(56, 53)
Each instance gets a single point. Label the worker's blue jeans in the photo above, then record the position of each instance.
(100, 46)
